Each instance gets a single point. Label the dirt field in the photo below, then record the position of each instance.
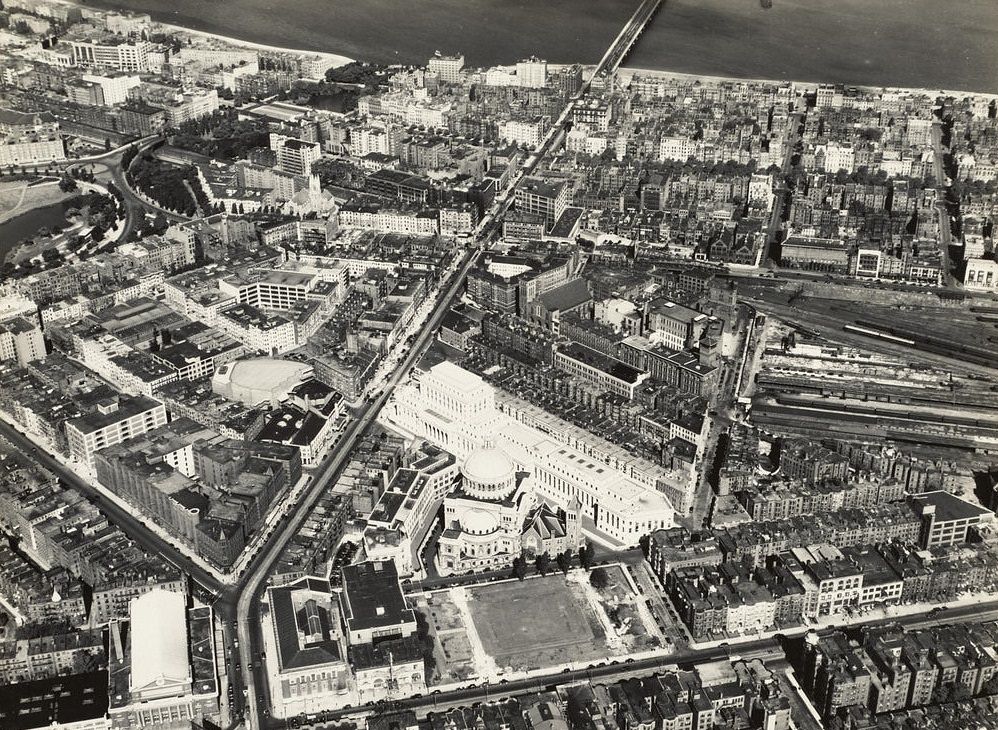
(542, 622)
(453, 657)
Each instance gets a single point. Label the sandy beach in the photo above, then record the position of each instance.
(335, 58)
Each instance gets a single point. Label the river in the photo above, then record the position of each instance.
(950, 44)
(27, 224)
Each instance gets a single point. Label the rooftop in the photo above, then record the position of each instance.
(949, 507)
(59, 700)
(373, 596)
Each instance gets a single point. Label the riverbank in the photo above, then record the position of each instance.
(627, 72)
(888, 43)
(336, 59)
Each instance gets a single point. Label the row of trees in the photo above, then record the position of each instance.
(542, 563)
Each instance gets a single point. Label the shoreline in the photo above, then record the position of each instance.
(339, 60)
(810, 85)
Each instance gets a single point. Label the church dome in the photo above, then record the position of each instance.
(488, 466)
(479, 522)
(489, 474)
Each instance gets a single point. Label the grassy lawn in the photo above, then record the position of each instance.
(19, 197)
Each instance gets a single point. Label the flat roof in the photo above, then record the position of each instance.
(595, 359)
(58, 700)
(456, 377)
(949, 507)
(127, 406)
(373, 596)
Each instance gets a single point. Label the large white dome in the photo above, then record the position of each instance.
(489, 474)
(488, 466)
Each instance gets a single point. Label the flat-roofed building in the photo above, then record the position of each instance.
(29, 139)
(71, 702)
(543, 198)
(946, 518)
(21, 340)
(374, 606)
(448, 68)
(599, 370)
(384, 652)
(114, 420)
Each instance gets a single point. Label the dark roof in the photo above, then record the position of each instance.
(595, 359)
(567, 296)
(950, 507)
(367, 656)
(373, 596)
(61, 700)
(311, 388)
(292, 654)
(128, 406)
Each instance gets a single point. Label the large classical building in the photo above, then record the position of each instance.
(161, 664)
(456, 410)
(327, 650)
(494, 517)
(306, 649)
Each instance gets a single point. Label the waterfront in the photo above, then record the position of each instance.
(27, 224)
(912, 43)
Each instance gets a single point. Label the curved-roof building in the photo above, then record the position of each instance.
(489, 474)
(479, 522)
(259, 380)
(159, 665)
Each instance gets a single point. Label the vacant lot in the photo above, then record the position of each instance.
(453, 656)
(541, 622)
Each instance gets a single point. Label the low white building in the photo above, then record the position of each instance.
(981, 275)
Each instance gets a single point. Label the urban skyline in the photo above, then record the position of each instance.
(338, 394)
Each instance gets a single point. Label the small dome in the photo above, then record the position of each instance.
(479, 522)
(488, 466)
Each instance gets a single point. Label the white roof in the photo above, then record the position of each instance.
(456, 377)
(159, 640)
(488, 466)
(479, 521)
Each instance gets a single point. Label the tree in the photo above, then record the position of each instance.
(565, 561)
(519, 567)
(543, 563)
(598, 579)
(586, 555)
(67, 184)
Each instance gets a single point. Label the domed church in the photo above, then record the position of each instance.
(494, 517)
